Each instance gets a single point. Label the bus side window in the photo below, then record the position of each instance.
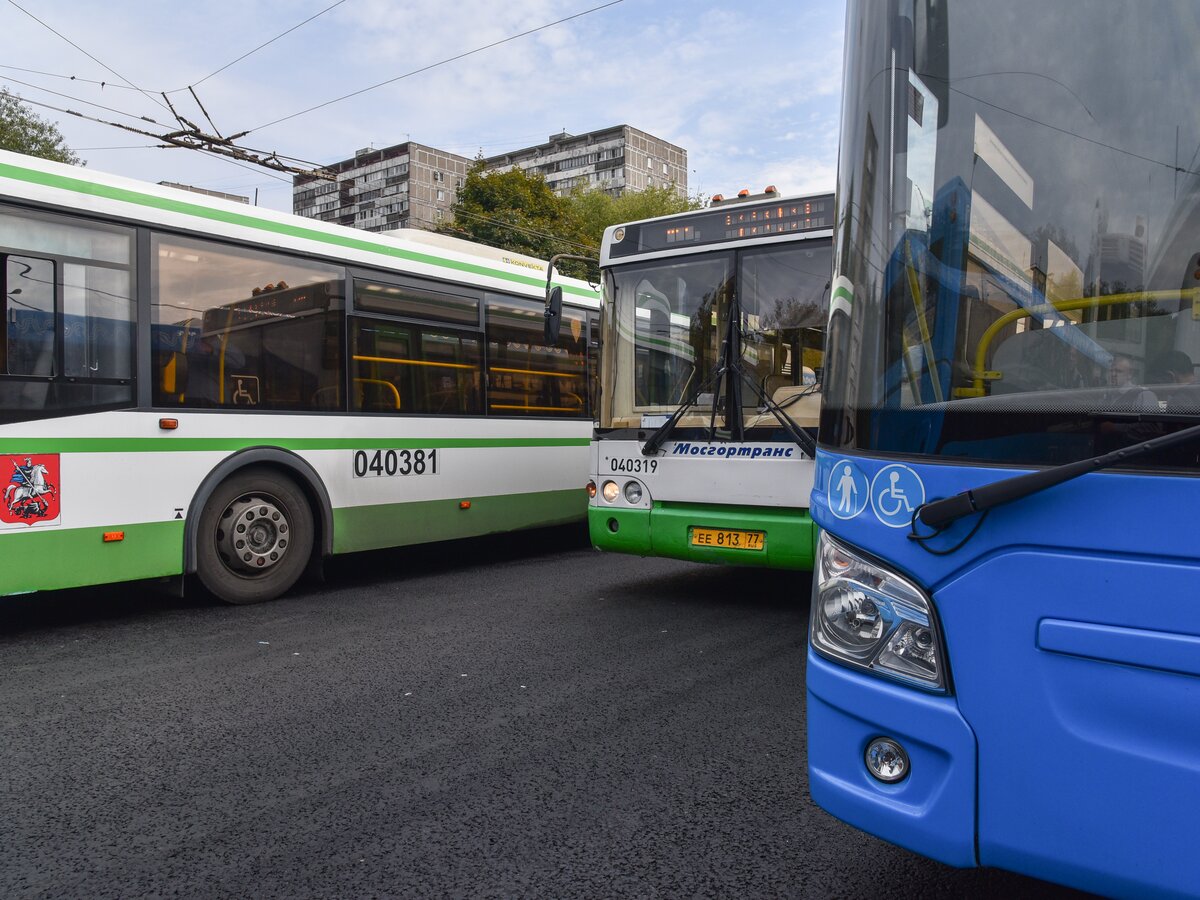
(526, 377)
(414, 369)
(29, 316)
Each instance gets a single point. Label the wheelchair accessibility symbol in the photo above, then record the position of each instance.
(896, 492)
(848, 490)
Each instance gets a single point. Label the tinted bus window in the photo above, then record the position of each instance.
(242, 329)
(66, 315)
(416, 301)
(527, 378)
(412, 369)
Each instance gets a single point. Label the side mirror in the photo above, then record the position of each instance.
(553, 316)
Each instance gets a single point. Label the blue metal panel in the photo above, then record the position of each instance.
(932, 811)
(1072, 625)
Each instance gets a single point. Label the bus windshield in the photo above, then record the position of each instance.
(1005, 291)
(668, 323)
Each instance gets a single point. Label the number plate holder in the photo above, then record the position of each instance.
(727, 538)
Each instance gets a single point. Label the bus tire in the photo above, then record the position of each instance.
(255, 537)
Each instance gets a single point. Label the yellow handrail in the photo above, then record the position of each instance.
(980, 375)
(385, 383)
(914, 289)
(412, 362)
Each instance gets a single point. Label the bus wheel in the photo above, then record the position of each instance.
(255, 537)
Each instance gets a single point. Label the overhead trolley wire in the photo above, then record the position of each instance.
(435, 65)
(119, 112)
(260, 46)
(85, 53)
(81, 80)
(528, 231)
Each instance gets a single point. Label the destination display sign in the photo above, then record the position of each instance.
(271, 305)
(732, 222)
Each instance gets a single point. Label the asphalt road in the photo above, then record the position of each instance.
(494, 718)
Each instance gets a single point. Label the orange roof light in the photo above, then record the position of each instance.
(744, 192)
(771, 189)
(717, 198)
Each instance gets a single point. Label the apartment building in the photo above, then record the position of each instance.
(411, 185)
(613, 159)
(405, 186)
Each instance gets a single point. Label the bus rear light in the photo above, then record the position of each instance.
(168, 424)
(868, 617)
(591, 490)
(111, 537)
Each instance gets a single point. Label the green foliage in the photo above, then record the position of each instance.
(23, 132)
(595, 209)
(514, 210)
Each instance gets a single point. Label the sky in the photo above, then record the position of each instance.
(750, 88)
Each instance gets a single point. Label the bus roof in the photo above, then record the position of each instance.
(27, 178)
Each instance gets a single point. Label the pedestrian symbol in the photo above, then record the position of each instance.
(896, 493)
(848, 490)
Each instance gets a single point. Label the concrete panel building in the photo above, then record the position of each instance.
(613, 159)
(411, 185)
(405, 186)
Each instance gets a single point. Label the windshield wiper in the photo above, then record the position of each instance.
(663, 431)
(941, 513)
(802, 438)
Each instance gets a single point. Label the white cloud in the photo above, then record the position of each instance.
(751, 92)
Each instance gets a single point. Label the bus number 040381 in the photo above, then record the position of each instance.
(394, 462)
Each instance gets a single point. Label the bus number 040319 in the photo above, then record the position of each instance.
(632, 466)
(394, 462)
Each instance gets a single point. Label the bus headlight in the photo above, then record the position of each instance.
(633, 492)
(866, 616)
(609, 491)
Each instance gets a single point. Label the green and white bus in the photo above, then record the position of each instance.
(712, 332)
(190, 385)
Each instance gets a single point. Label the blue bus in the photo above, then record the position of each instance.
(1004, 654)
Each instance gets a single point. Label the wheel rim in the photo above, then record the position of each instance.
(253, 534)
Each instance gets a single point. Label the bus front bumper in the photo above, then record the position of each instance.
(932, 811)
(665, 530)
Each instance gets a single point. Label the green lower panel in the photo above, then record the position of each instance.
(665, 530)
(397, 524)
(50, 558)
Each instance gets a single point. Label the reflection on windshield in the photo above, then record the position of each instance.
(1019, 278)
(669, 325)
(678, 314)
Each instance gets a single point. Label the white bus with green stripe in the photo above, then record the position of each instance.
(713, 334)
(190, 385)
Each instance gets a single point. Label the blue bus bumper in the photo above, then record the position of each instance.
(932, 811)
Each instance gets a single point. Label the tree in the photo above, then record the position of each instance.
(514, 210)
(595, 209)
(23, 132)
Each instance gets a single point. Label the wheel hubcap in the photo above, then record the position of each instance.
(253, 534)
